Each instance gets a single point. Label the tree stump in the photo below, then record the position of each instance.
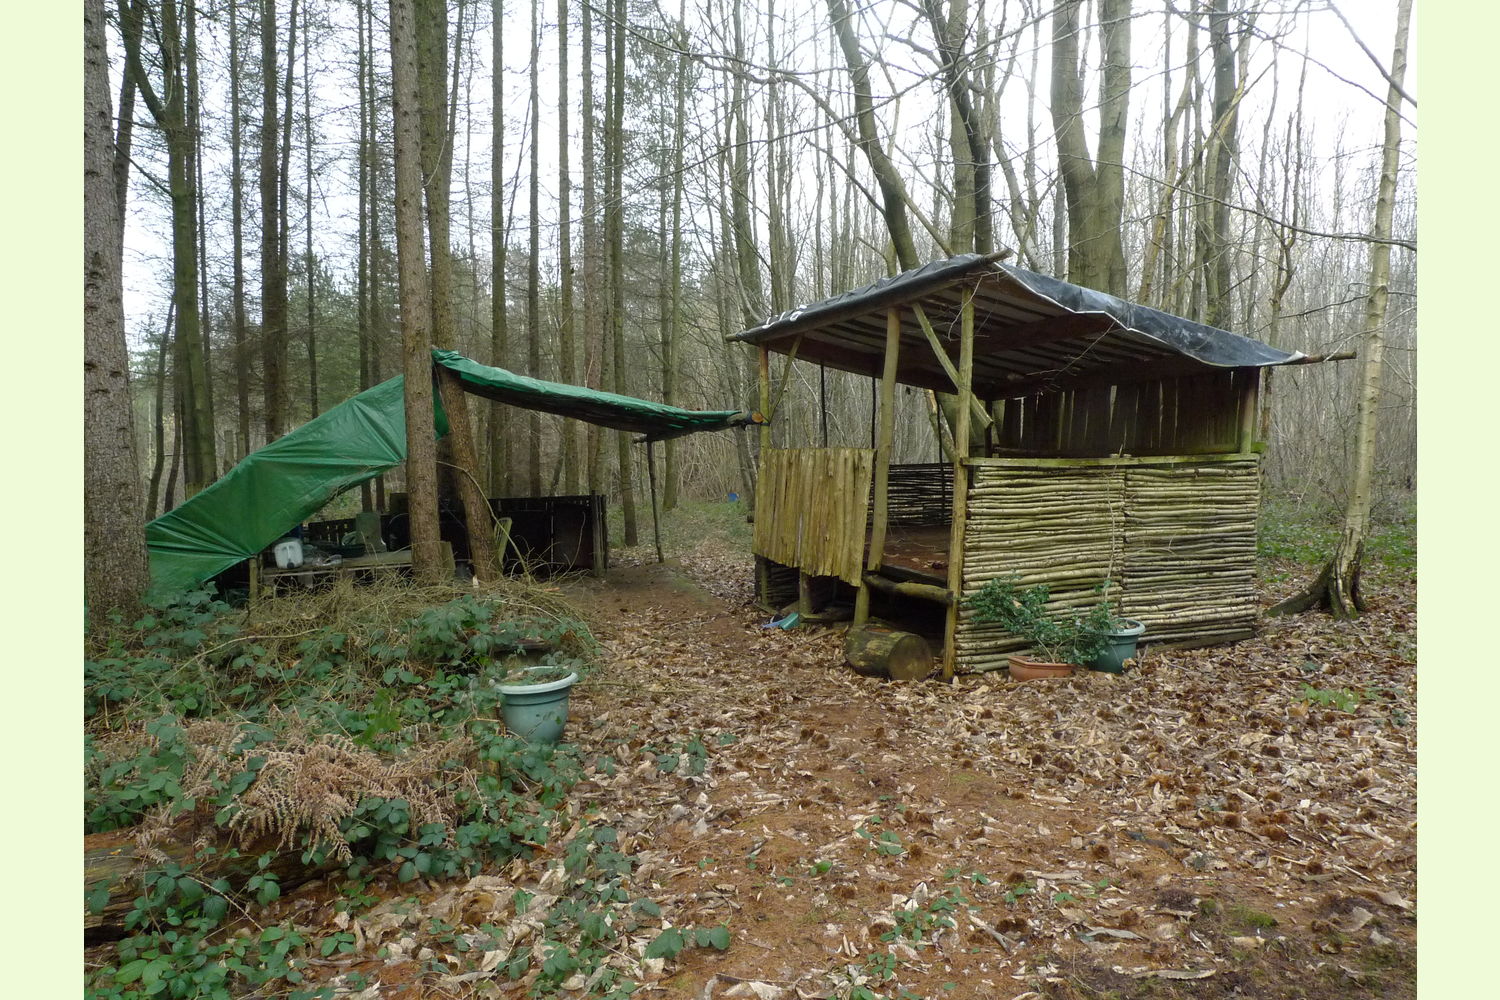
(881, 651)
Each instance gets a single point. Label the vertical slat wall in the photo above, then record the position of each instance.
(1187, 415)
(811, 511)
(1174, 536)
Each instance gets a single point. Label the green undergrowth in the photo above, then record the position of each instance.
(689, 525)
(357, 728)
(1307, 534)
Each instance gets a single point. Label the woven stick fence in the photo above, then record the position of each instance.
(811, 509)
(919, 494)
(1174, 538)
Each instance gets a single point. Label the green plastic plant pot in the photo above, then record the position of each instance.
(1119, 646)
(536, 712)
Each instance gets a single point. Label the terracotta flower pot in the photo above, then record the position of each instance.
(1022, 669)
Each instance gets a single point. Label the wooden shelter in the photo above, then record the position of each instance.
(1111, 444)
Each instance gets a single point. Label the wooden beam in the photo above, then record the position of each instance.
(887, 408)
(786, 373)
(1149, 370)
(1019, 462)
(947, 363)
(960, 487)
(916, 591)
(1049, 330)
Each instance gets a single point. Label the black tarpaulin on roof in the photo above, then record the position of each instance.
(1206, 344)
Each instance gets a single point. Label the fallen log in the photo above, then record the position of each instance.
(880, 651)
(114, 864)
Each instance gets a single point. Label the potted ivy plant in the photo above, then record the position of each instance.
(1059, 642)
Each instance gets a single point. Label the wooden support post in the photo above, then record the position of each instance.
(599, 529)
(823, 401)
(655, 518)
(765, 398)
(960, 487)
(254, 579)
(887, 408)
(804, 594)
(1249, 403)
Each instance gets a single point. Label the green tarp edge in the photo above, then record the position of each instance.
(656, 421)
(277, 487)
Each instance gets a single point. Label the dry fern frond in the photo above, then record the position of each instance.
(310, 787)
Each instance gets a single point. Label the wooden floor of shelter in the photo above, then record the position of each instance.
(917, 552)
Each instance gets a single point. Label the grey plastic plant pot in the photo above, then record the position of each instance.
(1119, 646)
(536, 712)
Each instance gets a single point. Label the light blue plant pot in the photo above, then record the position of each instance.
(536, 713)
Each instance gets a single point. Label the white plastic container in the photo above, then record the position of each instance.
(288, 553)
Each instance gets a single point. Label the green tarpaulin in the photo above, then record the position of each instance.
(281, 485)
(625, 413)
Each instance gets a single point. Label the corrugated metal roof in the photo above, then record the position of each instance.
(1031, 332)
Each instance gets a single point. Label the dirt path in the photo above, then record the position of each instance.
(1197, 826)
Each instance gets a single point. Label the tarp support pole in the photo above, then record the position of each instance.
(651, 477)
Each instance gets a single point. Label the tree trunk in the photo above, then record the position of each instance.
(378, 328)
(566, 349)
(1094, 189)
(970, 144)
(273, 304)
(237, 226)
(170, 115)
(131, 18)
(115, 567)
(362, 267)
(534, 265)
(616, 139)
(416, 301)
(437, 169)
(674, 322)
(592, 330)
(893, 191)
(195, 126)
(1337, 587)
(309, 265)
(1225, 156)
(501, 471)
(159, 424)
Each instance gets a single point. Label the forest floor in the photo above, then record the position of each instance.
(1233, 821)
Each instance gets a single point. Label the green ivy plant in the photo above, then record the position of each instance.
(1056, 638)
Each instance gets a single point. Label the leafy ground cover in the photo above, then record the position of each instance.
(740, 815)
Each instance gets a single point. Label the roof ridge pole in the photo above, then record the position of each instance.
(960, 487)
(887, 409)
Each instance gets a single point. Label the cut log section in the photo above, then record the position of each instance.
(880, 651)
(113, 862)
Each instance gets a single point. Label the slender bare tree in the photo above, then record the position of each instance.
(1337, 587)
